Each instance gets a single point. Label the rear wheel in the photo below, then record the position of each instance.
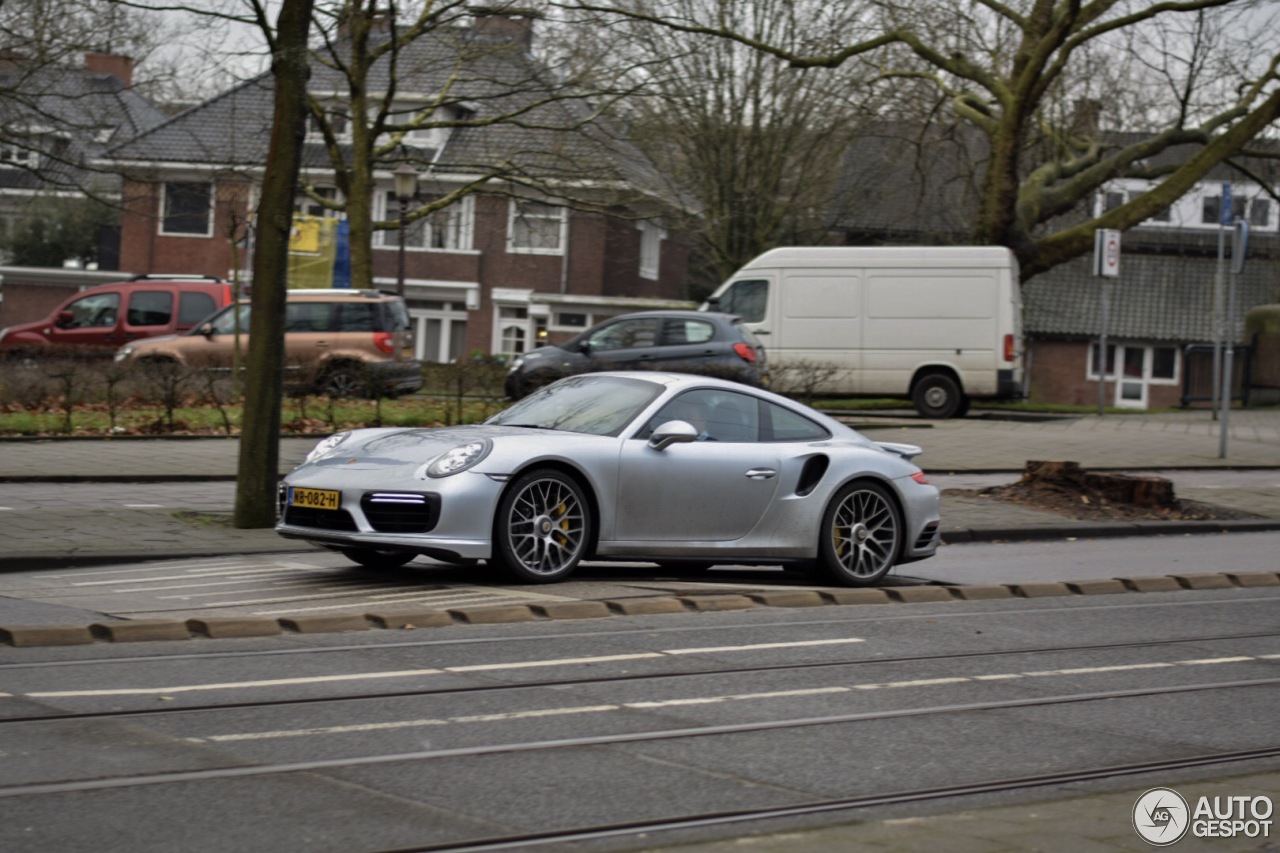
(371, 558)
(861, 534)
(937, 395)
(344, 380)
(542, 528)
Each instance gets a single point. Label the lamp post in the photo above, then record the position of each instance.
(406, 187)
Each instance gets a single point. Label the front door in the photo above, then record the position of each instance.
(1135, 372)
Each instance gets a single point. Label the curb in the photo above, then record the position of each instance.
(405, 619)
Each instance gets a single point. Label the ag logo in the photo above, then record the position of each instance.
(1161, 816)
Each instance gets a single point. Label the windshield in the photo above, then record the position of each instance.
(597, 405)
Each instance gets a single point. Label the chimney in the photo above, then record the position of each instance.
(510, 24)
(119, 67)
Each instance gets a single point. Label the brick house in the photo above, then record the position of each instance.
(500, 271)
(1161, 305)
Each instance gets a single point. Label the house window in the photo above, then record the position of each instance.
(1212, 208)
(536, 227)
(448, 229)
(17, 155)
(308, 206)
(651, 237)
(1112, 200)
(1093, 361)
(570, 320)
(335, 117)
(187, 208)
(1260, 212)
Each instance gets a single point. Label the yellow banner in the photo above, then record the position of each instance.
(313, 246)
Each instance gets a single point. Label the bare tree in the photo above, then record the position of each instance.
(752, 146)
(1198, 73)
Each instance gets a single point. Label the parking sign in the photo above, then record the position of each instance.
(1106, 253)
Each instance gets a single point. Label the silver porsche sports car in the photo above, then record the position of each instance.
(668, 468)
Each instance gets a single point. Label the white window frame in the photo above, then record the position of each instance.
(651, 237)
(1116, 375)
(305, 205)
(554, 325)
(18, 157)
(164, 201)
(514, 214)
(315, 134)
(461, 216)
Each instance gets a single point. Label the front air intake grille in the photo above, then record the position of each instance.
(323, 519)
(400, 512)
(926, 536)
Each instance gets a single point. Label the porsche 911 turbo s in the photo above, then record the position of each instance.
(667, 468)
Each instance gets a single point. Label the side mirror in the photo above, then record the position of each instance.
(64, 319)
(584, 347)
(672, 432)
(207, 330)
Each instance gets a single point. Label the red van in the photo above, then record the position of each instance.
(110, 315)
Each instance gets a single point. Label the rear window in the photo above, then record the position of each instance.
(683, 331)
(358, 317)
(150, 308)
(396, 314)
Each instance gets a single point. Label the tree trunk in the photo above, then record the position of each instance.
(258, 473)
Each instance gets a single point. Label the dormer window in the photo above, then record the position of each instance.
(427, 136)
(18, 156)
(336, 117)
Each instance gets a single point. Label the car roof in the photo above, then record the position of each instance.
(686, 314)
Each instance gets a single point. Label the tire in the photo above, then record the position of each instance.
(861, 534)
(344, 381)
(542, 528)
(963, 409)
(937, 395)
(379, 560)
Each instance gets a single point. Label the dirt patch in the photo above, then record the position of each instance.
(1065, 489)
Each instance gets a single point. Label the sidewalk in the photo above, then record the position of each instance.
(36, 539)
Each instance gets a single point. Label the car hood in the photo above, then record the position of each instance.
(381, 449)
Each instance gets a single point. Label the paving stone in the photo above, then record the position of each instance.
(718, 602)
(645, 606)
(328, 624)
(571, 609)
(225, 627)
(981, 592)
(1039, 590)
(855, 596)
(23, 636)
(1103, 586)
(493, 614)
(788, 598)
(139, 630)
(1151, 584)
(920, 594)
(1254, 578)
(407, 618)
(1203, 580)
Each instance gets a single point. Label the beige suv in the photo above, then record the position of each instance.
(337, 342)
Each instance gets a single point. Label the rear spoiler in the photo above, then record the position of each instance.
(906, 451)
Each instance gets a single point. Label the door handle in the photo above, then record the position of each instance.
(761, 474)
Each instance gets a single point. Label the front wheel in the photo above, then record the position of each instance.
(381, 560)
(542, 527)
(861, 534)
(937, 396)
(344, 381)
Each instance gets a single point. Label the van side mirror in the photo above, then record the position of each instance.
(672, 432)
(713, 303)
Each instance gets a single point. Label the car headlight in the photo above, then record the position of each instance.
(459, 458)
(515, 365)
(325, 447)
(123, 353)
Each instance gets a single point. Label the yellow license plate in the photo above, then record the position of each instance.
(315, 498)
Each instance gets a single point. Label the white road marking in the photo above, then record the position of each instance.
(489, 667)
(754, 647)
(247, 574)
(144, 506)
(697, 700)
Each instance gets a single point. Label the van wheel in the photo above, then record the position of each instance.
(937, 395)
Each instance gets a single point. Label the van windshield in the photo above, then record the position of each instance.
(746, 298)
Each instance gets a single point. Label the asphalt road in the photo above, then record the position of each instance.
(385, 741)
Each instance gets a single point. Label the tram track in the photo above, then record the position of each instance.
(601, 680)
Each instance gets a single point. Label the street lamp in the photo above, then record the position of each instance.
(406, 187)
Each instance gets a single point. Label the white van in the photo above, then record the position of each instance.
(940, 325)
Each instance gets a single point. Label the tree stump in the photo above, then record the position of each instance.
(1134, 489)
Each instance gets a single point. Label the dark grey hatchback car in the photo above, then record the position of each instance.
(684, 341)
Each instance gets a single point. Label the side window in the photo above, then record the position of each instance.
(358, 317)
(194, 307)
(716, 415)
(150, 308)
(785, 425)
(677, 331)
(308, 317)
(748, 299)
(626, 334)
(92, 312)
(225, 323)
